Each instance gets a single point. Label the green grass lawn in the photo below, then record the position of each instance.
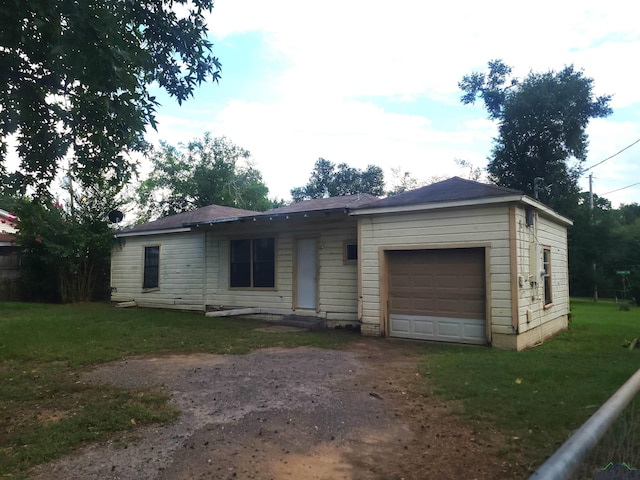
(539, 396)
(535, 397)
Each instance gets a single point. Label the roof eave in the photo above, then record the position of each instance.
(270, 216)
(437, 205)
(467, 203)
(152, 232)
(548, 211)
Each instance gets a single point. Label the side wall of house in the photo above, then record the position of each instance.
(486, 226)
(181, 271)
(337, 281)
(537, 320)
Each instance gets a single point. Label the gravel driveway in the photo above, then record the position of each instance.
(303, 413)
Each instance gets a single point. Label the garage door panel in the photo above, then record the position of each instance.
(448, 281)
(402, 325)
(441, 329)
(399, 281)
(425, 327)
(438, 295)
(424, 304)
(471, 307)
(426, 280)
(473, 281)
(401, 305)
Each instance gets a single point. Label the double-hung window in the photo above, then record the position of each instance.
(151, 276)
(253, 263)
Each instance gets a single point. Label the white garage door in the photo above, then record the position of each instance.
(438, 295)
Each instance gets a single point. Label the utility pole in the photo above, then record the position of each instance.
(595, 283)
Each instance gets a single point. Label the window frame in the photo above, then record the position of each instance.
(257, 262)
(345, 252)
(147, 287)
(547, 277)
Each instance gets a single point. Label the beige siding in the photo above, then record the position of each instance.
(181, 270)
(337, 281)
(532, 312)
(453, 228)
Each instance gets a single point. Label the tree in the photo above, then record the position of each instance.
(329, 180)
(475, 173)
(541, 122)
(206, 171)
(593, 241)
(65, 249)
(75, 78)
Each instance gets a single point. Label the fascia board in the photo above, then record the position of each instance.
(547, 211)
(436, 205)
(151, 232)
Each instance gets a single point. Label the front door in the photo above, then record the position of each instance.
(307, 284)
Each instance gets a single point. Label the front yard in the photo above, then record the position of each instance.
(535, 398)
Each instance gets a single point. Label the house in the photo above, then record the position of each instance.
(455, 261)
(8, 224)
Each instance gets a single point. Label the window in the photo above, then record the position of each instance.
(151, 267)
(546, 267)
(350, 254)
(253, 263)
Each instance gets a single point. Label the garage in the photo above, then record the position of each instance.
(437, 295)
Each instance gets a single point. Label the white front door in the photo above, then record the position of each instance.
(307, 285)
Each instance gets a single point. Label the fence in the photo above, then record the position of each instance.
(571, 455)
(9, 273)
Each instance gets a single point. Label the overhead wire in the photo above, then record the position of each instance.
(610, 157)
(622, 188)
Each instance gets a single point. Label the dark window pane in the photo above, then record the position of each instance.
(352, 251)
(264, 275)
(240, 251)
(240, 267)
(240, 274)
(264, 262)
(151, 267)
(546, 263)
(263, 250)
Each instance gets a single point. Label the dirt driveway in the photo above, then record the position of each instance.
(356, 414)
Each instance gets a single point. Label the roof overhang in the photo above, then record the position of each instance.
(152, 232)
(271, 216)
(465, 203)
(546, 210)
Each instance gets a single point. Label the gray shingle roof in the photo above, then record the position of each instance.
(204, 214)
(320, 204)
(452, 189)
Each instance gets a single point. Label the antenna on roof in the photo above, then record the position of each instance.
(537, 182)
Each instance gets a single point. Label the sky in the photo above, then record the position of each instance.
(372, 82)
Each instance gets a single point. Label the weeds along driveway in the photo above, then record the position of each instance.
(303, 413)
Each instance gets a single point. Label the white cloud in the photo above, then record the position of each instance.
(341, 56)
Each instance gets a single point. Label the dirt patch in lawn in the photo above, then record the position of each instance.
(361, 413)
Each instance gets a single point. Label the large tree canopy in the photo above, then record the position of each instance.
(75, 77)
(542, 121)
(329, 180)
(204, 172)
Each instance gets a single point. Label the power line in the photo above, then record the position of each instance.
(618, 189)
(609, 158)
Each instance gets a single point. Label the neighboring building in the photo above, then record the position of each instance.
(455, 261)
(9, 256)
(8, 223)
